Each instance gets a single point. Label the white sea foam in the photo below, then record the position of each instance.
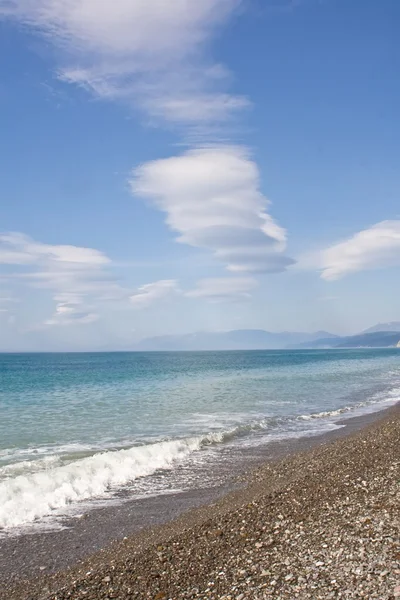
(31, 453)
(32, 489)
(23, 467)
(373, 405)
(26, 498)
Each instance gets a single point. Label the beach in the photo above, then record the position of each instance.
(320, 522)
(199, 300)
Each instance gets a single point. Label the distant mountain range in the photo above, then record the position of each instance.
(391, 326)
(382, 335)
(374, 339)
(239, 339)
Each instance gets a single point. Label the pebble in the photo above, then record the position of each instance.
(315, 526)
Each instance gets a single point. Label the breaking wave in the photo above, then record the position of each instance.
(34, 489)
(26, 498)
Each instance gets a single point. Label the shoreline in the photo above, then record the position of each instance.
(92, 539)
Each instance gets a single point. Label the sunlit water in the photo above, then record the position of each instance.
(79, 428)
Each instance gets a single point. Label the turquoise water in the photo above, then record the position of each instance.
(80, 427)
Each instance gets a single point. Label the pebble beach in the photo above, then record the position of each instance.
(318, 524)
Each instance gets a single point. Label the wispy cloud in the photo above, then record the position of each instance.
(212, 199)
(148, 53)
(72, 308)
(7, 301)
(328, 298)
(67, 314)
(373, 248)
(73, 274)
(156, 56)
(157, 291)
(17, 248)
(222, 289)
(81, 282)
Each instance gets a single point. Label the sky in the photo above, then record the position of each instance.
(171, 166)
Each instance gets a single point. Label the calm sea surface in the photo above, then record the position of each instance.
(77, 429)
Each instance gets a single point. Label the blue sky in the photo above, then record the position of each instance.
(169, 167)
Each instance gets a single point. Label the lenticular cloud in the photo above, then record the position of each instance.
(212, 200)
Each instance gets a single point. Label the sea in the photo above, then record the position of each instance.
(83, 430)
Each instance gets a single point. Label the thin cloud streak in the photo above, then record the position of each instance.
(157, 291)
(223, 289)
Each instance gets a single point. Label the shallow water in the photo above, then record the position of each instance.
(82, 427)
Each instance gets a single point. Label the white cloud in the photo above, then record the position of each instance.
(68, 298)
(212, 199)
(196, 108)
(17, 248)
(150, 53)
(142, 29)
(70, 314)
(373, 248)
(220, 289)
(154, 55)
(7, 300)
(73, 274)
(150, 293)
(71, 309)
